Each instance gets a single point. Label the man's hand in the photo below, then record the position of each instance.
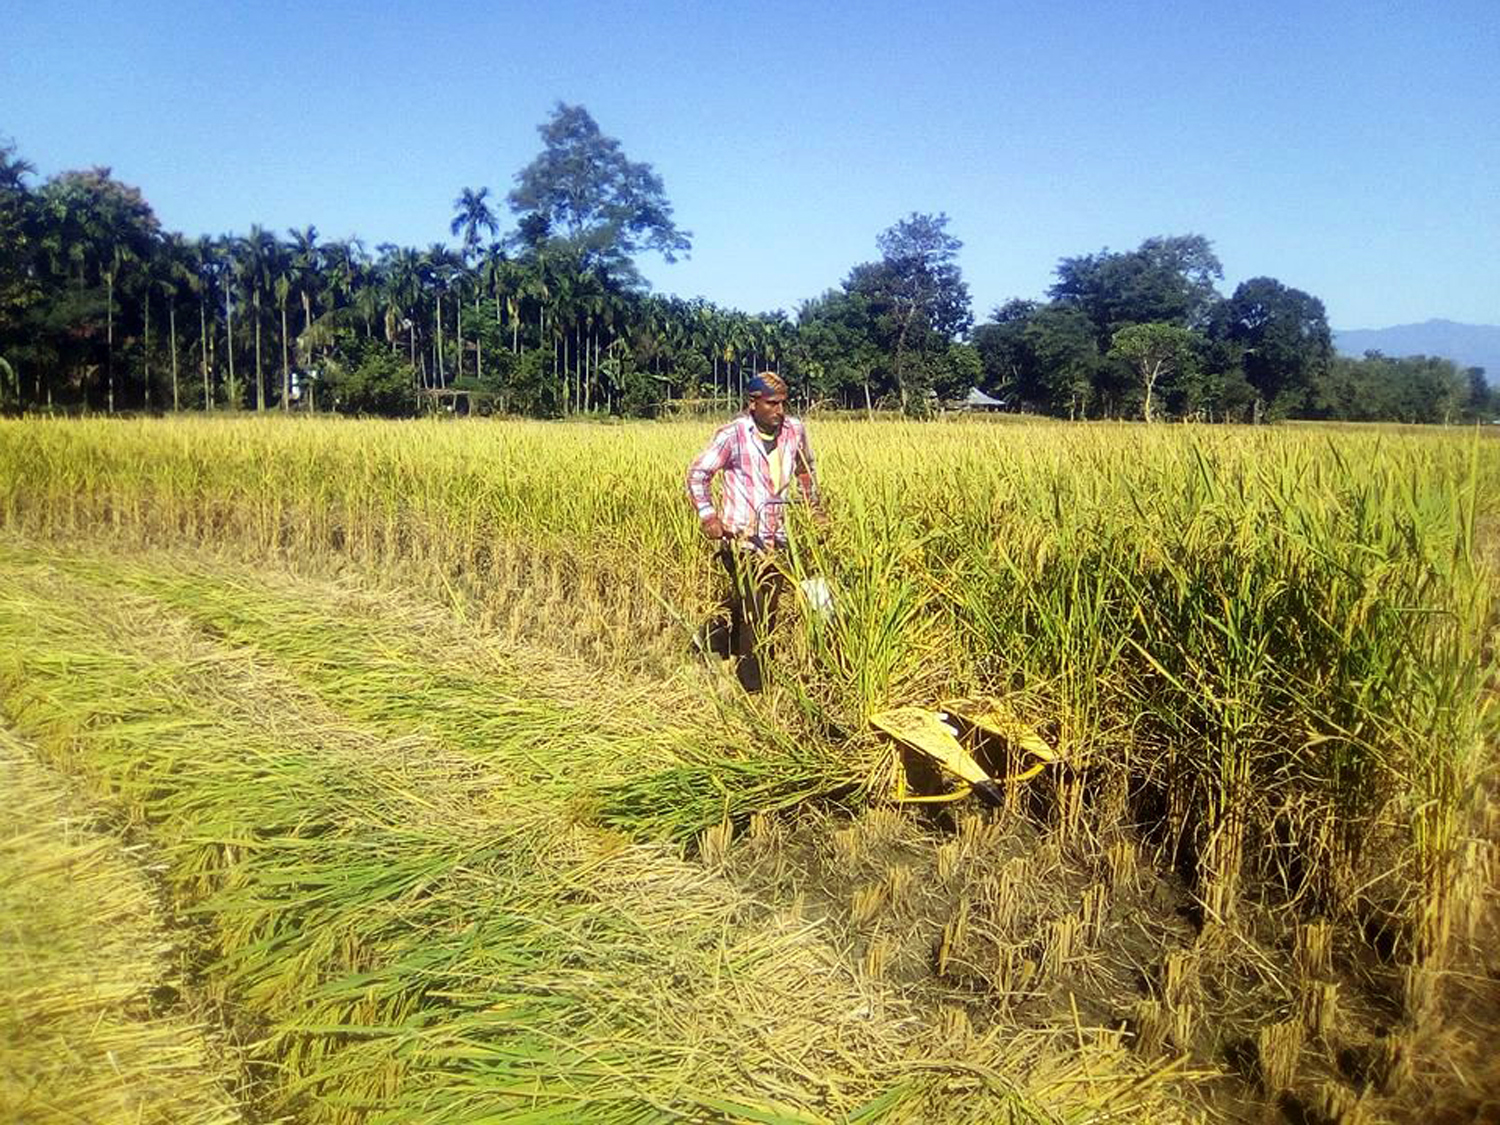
(712, 528)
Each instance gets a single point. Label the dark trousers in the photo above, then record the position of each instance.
(739, 631)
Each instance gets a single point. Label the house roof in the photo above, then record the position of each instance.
(977, 397)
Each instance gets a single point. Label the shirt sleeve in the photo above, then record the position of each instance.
(701, 472)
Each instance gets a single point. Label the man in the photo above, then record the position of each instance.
(759, 454)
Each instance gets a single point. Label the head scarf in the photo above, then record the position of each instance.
(766, 383)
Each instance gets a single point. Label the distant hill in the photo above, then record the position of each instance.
(1468, 345)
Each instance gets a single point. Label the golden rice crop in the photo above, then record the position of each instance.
(1208, 610)
(407, 920)
(86, 1030)
(1264, 653)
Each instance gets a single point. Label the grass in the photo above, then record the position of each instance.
(408, 921)
(1266, 654)
(85, 1034)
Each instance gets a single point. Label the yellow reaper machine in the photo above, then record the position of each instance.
(953, 751)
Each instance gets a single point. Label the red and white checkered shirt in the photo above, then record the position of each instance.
(756, 484)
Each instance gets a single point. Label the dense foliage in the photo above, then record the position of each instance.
(1145, 332)
(101, 308)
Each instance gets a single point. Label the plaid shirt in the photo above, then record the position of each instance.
(755, 483)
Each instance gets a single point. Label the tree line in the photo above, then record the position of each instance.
(1146, 333)
(103, 309)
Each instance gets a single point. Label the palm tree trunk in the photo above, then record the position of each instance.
(146, 322)
(478, 344)
(588, 398)
(109, 335)
(234, 388)
(260, 377)
(208, 397)
(172, 328)
(458, 335)
(286, 368)
(438, 366)
(307, 359)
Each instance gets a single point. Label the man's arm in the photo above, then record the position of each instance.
(699, 477)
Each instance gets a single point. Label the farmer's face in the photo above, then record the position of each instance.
(768, 412)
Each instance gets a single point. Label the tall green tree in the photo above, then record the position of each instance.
(1155, 352)
(472, 214)
(307, 266)
(1008, 367)
(401, 271)
(1168, 279)
(257, 262)
(97, 231)
(837, 351)
(172, 278)
(1062, 340)
(583, 193)
(203, 265)
(22, 288)
(1283, 338)
(439, 272)
(1482, 401)
(919, 298)
(229, 250)
(19, 285)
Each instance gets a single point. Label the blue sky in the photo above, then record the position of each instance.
(1351, 150)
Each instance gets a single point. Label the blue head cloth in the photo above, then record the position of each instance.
(766, 383)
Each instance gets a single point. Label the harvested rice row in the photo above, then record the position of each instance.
(418, 939)
(92, 1027)
(658, 757)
